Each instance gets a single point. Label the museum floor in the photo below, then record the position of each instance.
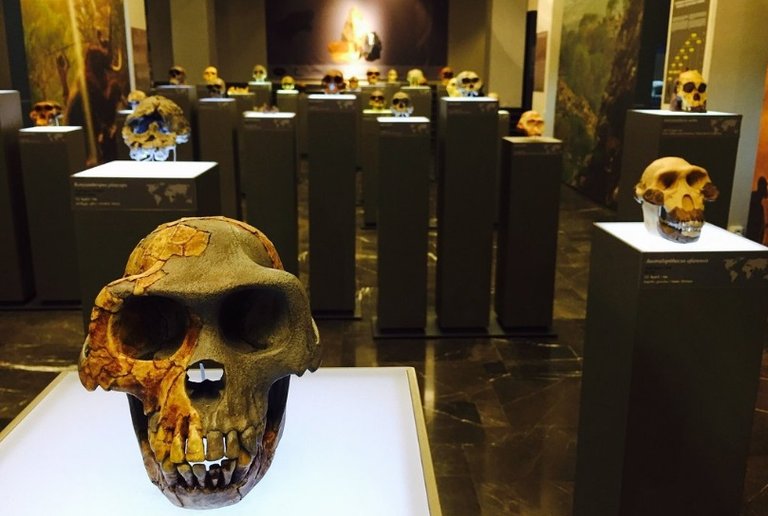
(501, 413)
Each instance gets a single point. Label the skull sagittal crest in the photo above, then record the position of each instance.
(673, 192)
(203, 332)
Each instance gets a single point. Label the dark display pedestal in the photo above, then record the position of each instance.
(268, 169)
(302, 137)
(672, 358)
(421, 99)
(117, 204)
(216, 124)
(709, 140)
(288, 101)
(332, 166)
(244, 101)
(123, 151)
(186, 97)
(49, 155)
(465, 210)
(262, 92)
(369, 145)
(403, 222)
(531, 169)
(16, 282)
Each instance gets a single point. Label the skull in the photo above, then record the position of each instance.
(468, 84)
(672, 192)
(154, 128)
(690, 93)
(333, 82)
(401, 104)
(531, 123)
(446, 74)
(46, 112)
(203, 332)
(452, 88)
(217, 88)
(373, 75)
(353, 84)
(287, 83)
(259, 73)
(134, 97)
(177, 75)
(415, 77)
(392, 75)
(377, 101)
(210, 74)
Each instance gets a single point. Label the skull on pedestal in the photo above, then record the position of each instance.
(155, 127)
(690, 93)
(401, 104)
(468, 84)
(531, 123)
(259, 73)
(203, 332)
(46, 112)
(333, 82)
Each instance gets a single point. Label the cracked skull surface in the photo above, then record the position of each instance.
(202, 332)
(672, 193)
(155, 127)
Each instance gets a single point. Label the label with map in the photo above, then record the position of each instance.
(705, 270)
(133, 194)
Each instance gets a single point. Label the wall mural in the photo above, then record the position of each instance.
(306, 36)
(76, 55)
(596, 84)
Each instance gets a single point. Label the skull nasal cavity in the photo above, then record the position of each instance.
(687, 202)
(205, 378)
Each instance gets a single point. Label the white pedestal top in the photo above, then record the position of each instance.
(126, 169)
(712, 239)
(354, 444)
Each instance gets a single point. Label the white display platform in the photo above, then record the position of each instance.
(354, 444)
(147, 170)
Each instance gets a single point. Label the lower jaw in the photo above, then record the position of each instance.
(684, 236)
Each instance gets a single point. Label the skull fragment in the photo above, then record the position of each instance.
(135, 97)
(46, 112)
(672, 193)
(333, 82)
(154, 129)
(531, 123)
(203, 332)
(690, 93)
(401, 105)
(468, 84)
(259, 73)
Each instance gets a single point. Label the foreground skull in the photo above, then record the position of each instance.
(155, 127)
(531, 123)
(333, 82)
(468, 84)
(202, 332)
(287, 83)
(46, 112)
(690, 93)
(672, 192)
(401, 105)
(259, 73)
(177, 75)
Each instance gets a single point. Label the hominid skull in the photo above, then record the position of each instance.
(287, 83)
(259, 73)
(373, 75)
(401, 104)
(672, 192)
(531, 123)
(135, 97)
(415, 77)
(452, 87)
(392, 75)
(203, 332)
(210, 74)
(46, 112)
(690, 93)
(333, 82)
(217, 88)
(154, 128)
(468, 84)
(177, 75)
(446, 74)
(377, 100)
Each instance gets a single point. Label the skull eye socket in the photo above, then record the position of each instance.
(667, 179)
(150, 327)
(688, 87)
(256, 316)
(695, 176)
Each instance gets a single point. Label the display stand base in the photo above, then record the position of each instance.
(340, 315)
(434, 331)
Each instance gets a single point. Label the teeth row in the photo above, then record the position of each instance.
(687, 226)
(197, 475)
(214, 446)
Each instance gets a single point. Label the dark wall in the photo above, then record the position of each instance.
(5, 66)
(240, 38)
(14, 72)
(159, 41)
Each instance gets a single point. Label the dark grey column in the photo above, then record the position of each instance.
(421, 98)
(672, 358)
(116, 204)
(268, 170)
(288, 101)
(369, 144)
(245, 101)
(123, 151)
(217, 121)
(529, 202)
(403, 222)
(709, 140)
(332, 166)
(186, 97)
(49, 155)
(262, 92)
(16, 282)
(465, 210)
(302, 136)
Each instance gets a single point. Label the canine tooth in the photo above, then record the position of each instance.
(195, 451)
(200, 472)
(185, 470)
(233, 445)
(169, 472)
(214, 474)
(177, 449)
(215, 442)
(243, 462)
(250, 440)
(227, 468)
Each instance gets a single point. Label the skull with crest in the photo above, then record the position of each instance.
(673, 192)
(155, 127)
(202, 332)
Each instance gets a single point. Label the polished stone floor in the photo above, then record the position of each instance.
(501, 413)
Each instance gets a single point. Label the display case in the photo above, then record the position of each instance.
(354, 443)
(186, 97)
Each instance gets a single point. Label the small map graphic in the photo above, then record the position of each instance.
(170, 195)
(745, 269)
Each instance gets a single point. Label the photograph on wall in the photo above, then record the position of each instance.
(596, 83)
(757, 220)
(305, 37)
(76, 56)
(687, 37)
